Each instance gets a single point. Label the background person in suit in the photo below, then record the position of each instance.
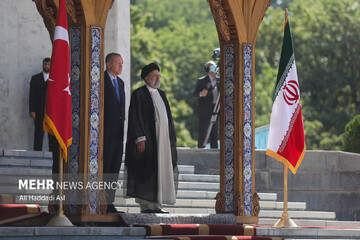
(207, 90)
(37, 99)
(114, 116)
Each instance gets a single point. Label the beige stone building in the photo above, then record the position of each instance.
(24, 43)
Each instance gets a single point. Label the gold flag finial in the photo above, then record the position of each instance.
(286, 17)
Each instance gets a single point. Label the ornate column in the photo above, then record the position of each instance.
(86, 19)
(237, 23)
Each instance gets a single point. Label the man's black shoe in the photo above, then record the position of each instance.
(160, 211)
(148, 211)
(111, 209)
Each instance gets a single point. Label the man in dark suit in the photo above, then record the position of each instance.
(207, 90)
(37, 99)
(114, 116)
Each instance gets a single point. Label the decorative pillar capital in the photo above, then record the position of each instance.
(48, 10)
(220, 18)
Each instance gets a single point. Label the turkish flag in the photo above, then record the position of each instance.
(57, 119)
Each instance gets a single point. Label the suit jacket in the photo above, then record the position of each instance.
(143, 167)
(37, 96)
(114, 111)
(206, 105)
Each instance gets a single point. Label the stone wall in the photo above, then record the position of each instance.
(326, 180)
(117, 39)
(24, 43)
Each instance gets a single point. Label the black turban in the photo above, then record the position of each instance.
(148, 69)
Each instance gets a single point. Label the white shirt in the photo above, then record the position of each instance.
(214, 90)
(112, 78)
(46, 76)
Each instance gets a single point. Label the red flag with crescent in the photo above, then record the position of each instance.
(57, 120)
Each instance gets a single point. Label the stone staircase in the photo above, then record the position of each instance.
(195, 196)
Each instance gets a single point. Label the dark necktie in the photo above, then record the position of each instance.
(116, 88)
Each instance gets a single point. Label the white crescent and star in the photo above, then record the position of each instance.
(67, 89)
(62, 34)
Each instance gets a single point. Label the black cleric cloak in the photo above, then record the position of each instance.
(142, 168)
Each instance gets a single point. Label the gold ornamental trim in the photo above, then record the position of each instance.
(256, 204)
(48, 11)
(220, 204)
(220, 18)
(240, 209)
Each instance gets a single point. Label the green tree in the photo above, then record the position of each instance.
(266, 63)
(181, 35)
(327, 52)
(324, 34)
(180, 42)
(351, 137)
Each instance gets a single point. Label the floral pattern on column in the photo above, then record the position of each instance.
(94, 116)
(229, 126)
(74, 149)
(247, 168)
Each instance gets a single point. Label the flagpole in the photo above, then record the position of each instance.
(60, 219)
(285, 221)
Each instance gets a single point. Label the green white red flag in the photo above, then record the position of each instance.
(57, 119)
(286, 141)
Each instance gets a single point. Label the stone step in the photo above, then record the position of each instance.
(191, 203)
(199, 186)
(309, 233)
(16, 191)
(199, 178)
(26, 162)
(268, 196)
(189, 169)
(197, 194)
(78, 233)
(266, 205)
(25, 172)
(298, 214)
(45, 165)
(263, 213)
(24, 154)
(183, 169)
(90, 233)
(171, 210)
(312, 222)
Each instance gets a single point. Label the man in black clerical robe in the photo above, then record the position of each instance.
(145, 149)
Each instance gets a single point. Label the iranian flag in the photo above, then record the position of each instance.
(286, 141)
(57, 120)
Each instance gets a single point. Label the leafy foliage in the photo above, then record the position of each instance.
(181, 35)
(326, 53)
(351, 137)
(166, 32)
